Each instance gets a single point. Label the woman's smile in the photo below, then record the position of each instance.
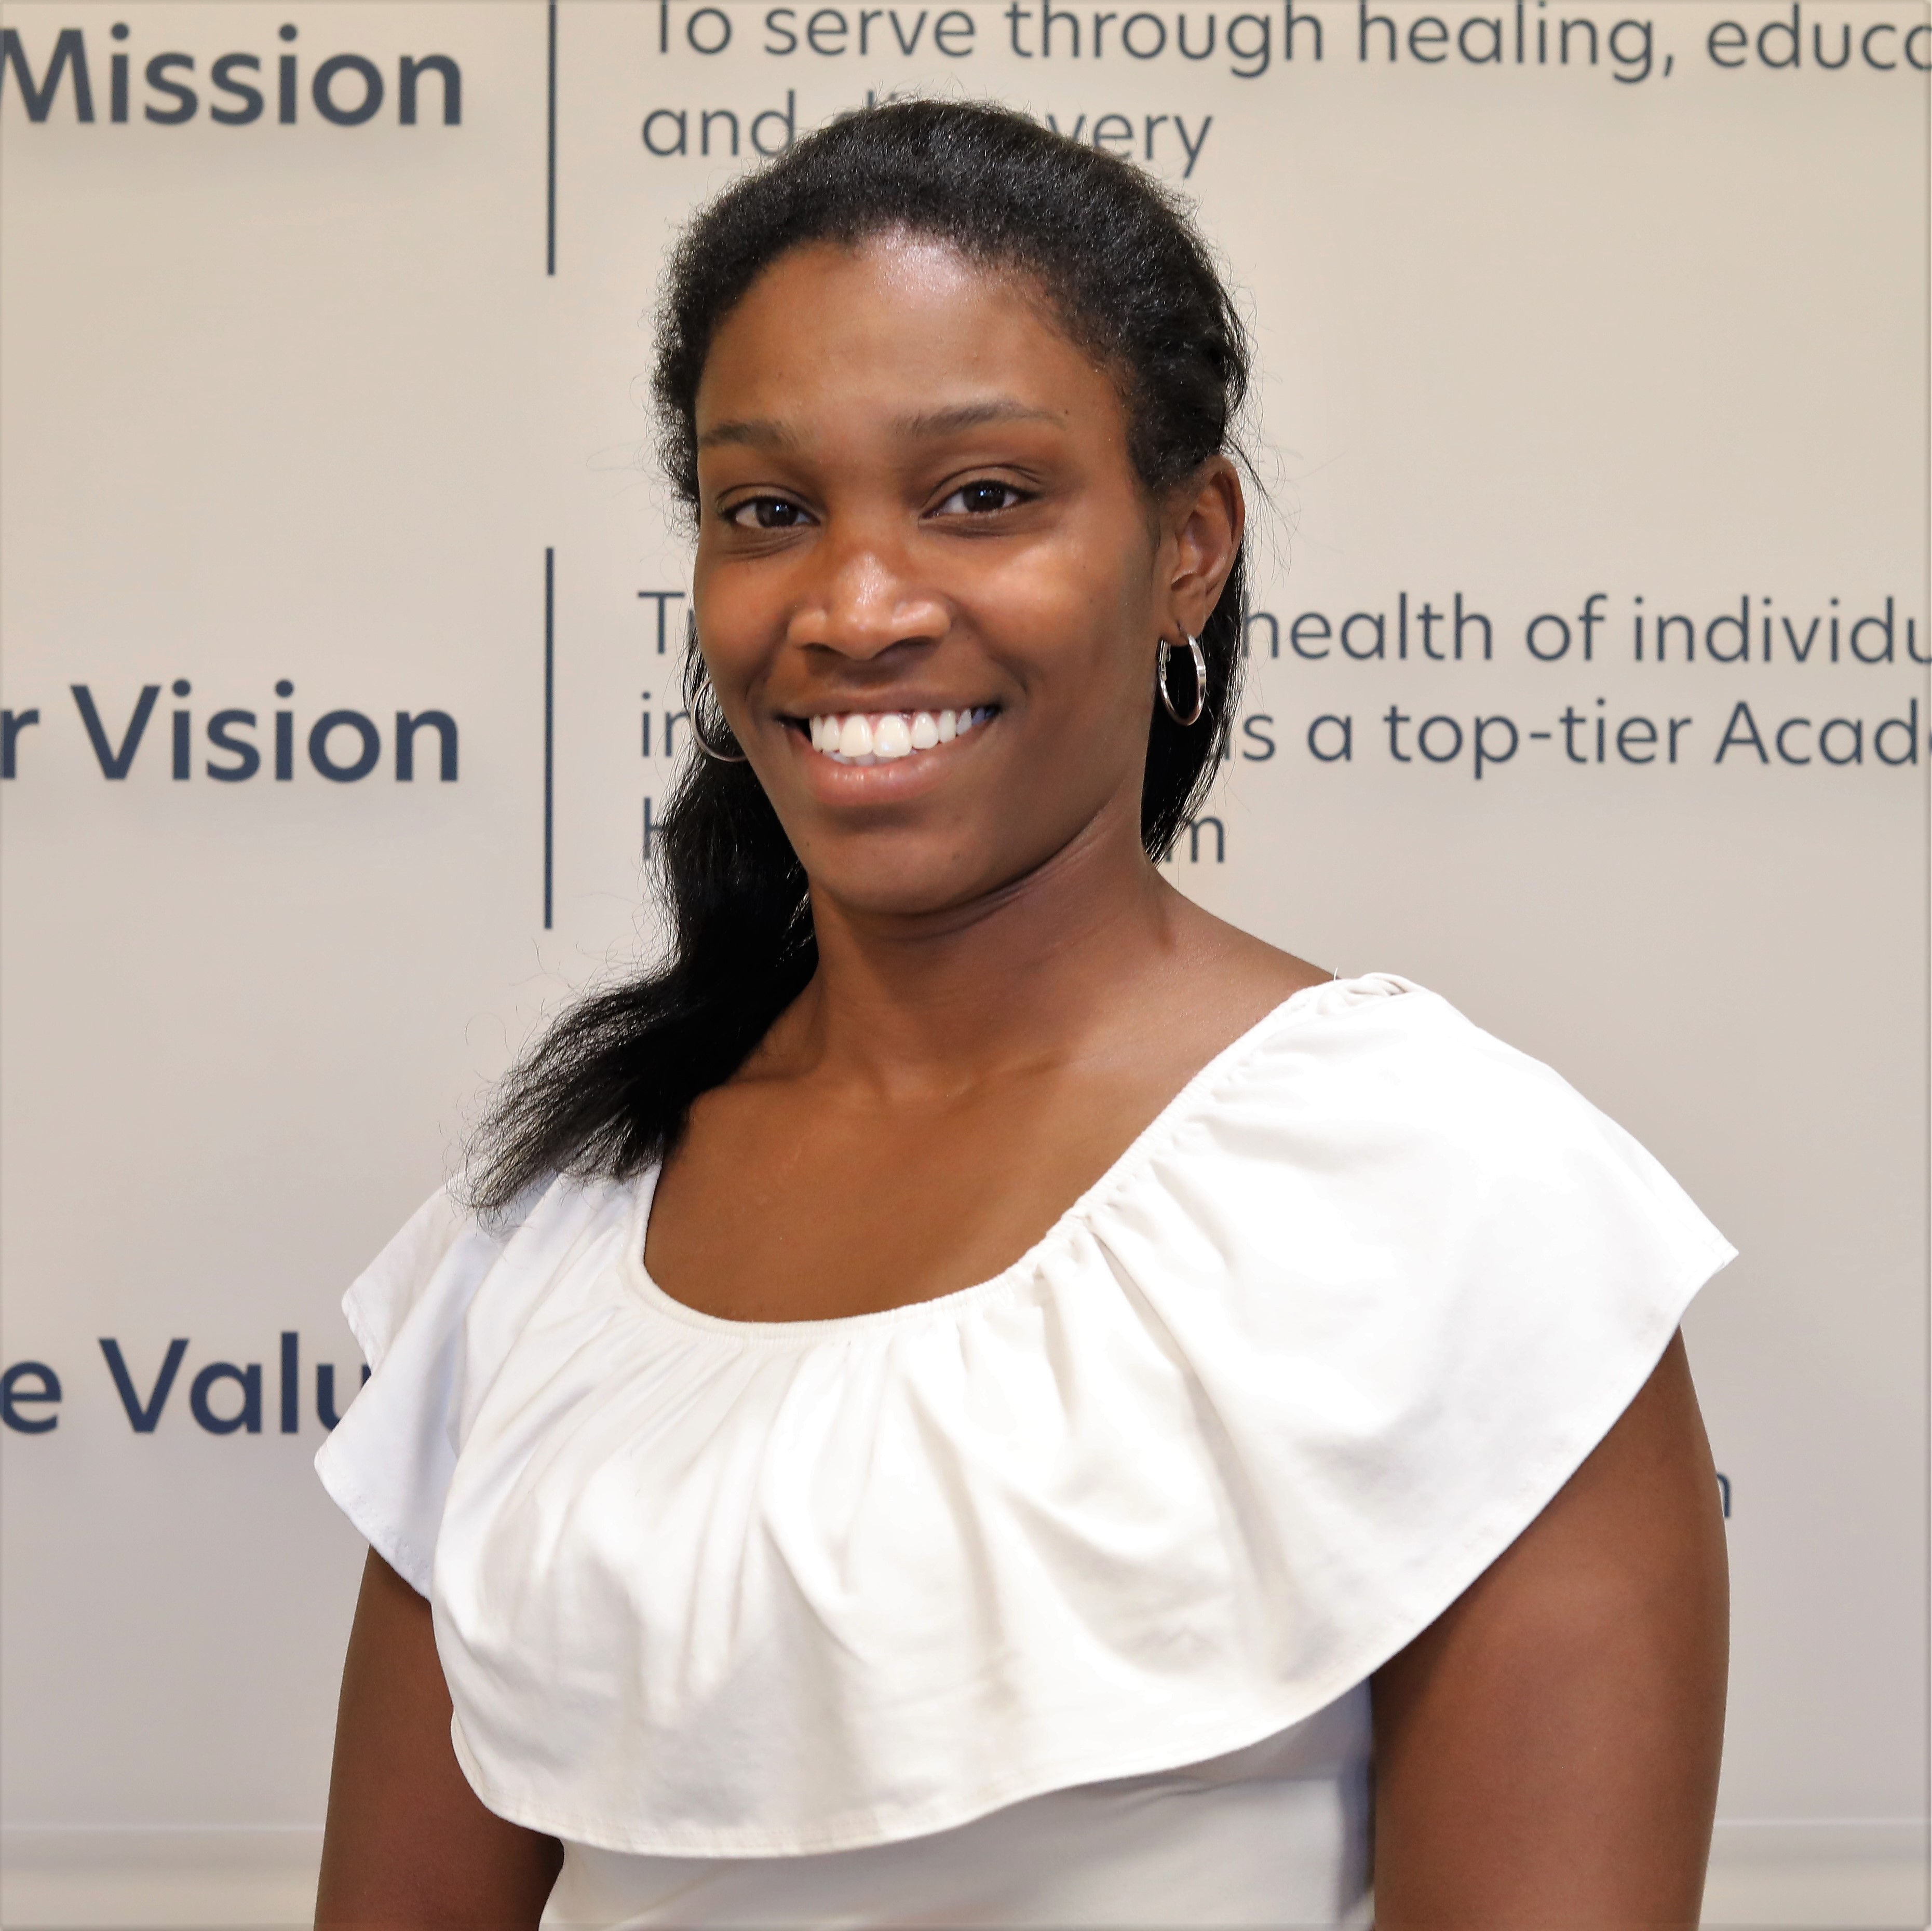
(884, 737)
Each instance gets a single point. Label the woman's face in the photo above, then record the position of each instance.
(917, 511)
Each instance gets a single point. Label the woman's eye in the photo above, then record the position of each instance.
(767, 513)
(980, 499)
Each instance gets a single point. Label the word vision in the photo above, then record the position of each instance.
(343, 746)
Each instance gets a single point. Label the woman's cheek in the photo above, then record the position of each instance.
(1045, 619)
(730, 625)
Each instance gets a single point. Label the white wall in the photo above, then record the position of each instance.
(303, 401)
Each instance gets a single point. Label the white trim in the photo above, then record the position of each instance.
(59, 1877)
(1822, 1874)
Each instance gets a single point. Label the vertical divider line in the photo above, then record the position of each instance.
(550, 729)
(550, 196)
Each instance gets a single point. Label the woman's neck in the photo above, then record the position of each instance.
(1029, 973)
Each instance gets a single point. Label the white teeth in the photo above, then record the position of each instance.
(858, 739)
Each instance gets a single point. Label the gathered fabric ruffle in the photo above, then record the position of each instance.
(1257, 1409)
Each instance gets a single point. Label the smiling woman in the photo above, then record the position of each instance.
(974, 1392)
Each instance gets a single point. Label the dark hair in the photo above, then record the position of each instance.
(608, 1088)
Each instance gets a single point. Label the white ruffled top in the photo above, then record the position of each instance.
(1259, 1406)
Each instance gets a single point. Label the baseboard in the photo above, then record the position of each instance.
(1829, 1875)
(82, 1877)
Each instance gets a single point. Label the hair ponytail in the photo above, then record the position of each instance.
(608, 1088)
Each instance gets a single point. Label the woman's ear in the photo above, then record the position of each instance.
(1206, 516)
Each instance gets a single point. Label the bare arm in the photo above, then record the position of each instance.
(1546, 1752)
(409, 1844)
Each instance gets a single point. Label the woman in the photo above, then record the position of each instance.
(979, 1394)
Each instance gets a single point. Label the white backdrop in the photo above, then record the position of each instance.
(1582, 314)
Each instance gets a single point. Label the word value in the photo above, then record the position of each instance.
(343, 746)
(224, 1397)
(346, 89)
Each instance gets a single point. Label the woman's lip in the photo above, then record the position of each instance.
(801, 720)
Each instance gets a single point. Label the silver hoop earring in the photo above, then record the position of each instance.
(698, 693)
(1193, 717)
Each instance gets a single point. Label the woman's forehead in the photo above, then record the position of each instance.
(904, 328)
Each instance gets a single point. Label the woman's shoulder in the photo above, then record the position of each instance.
(1375, 1072)
(1340, 1056)
(1368, 1142)
(447, 1248)
(436, 1313)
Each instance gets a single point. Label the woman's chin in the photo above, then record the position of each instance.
(906, 885)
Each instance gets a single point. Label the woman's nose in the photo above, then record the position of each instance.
(866, 602)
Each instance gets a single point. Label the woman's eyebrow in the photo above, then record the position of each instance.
(763, 433)
(972, 415)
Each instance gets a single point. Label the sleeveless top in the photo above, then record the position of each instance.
(901, 1593)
